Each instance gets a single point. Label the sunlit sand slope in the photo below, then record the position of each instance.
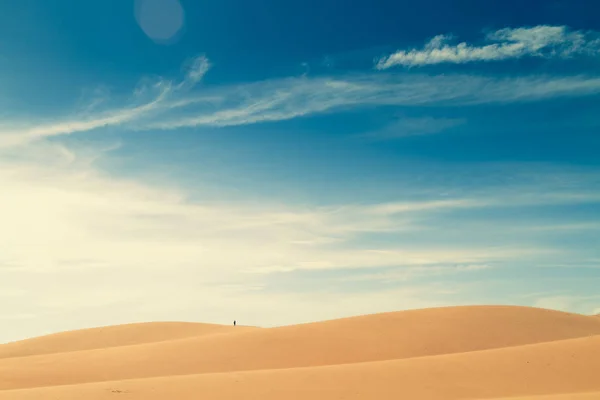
(376, 337)
(566, 368)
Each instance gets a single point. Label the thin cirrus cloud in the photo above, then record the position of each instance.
(290, 98)
(93, 221)
(580, 303)
(148, 98)
(404, 127)
(165, 104)
(408, 273)
(503, 44)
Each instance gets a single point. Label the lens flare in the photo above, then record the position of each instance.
(161, 20)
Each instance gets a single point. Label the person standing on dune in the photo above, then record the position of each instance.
(234, 323)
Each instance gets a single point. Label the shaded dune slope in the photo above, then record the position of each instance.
(566, 369)
(110, 336)
(379, 337)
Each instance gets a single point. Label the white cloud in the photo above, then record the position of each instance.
(573, 303)
(166, 104)
(402, 207)
(407, 273)
(427, 260)
(539, 41)
(286, 99)
(159, 96)
(514, 198)
(563, 227)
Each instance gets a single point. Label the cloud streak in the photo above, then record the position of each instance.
(94, 221)
(165, 104)
(404, 127)
(408, 273)
(577, 303)
(161, 95)
(539, 41)
(286, 99)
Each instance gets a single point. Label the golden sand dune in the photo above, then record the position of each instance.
(442, 353)
(377, 337)
(562, 367)
(109, 336)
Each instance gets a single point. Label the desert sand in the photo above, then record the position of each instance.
(477, 352)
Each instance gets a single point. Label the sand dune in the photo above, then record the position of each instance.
(564, 396)
(109, 336)
(443, 353)
(561, 367)
(360, 339)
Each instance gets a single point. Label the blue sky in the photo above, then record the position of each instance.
(281, 162)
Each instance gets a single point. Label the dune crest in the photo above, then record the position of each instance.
(109, 336)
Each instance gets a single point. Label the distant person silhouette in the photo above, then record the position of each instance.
(233, 323)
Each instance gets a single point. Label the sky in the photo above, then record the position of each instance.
(286, 162)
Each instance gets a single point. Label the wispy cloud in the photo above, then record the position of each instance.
(286, 99)
(574, 303)
(167, 104)
(161, 93)
(508, 43)
(404, 127)
(428, 205)
(563, 227)
(411, 272)
(431, 261)
(527, 197)
(62, 216)
(94, 221)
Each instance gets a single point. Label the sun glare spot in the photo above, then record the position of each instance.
(161, 20)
